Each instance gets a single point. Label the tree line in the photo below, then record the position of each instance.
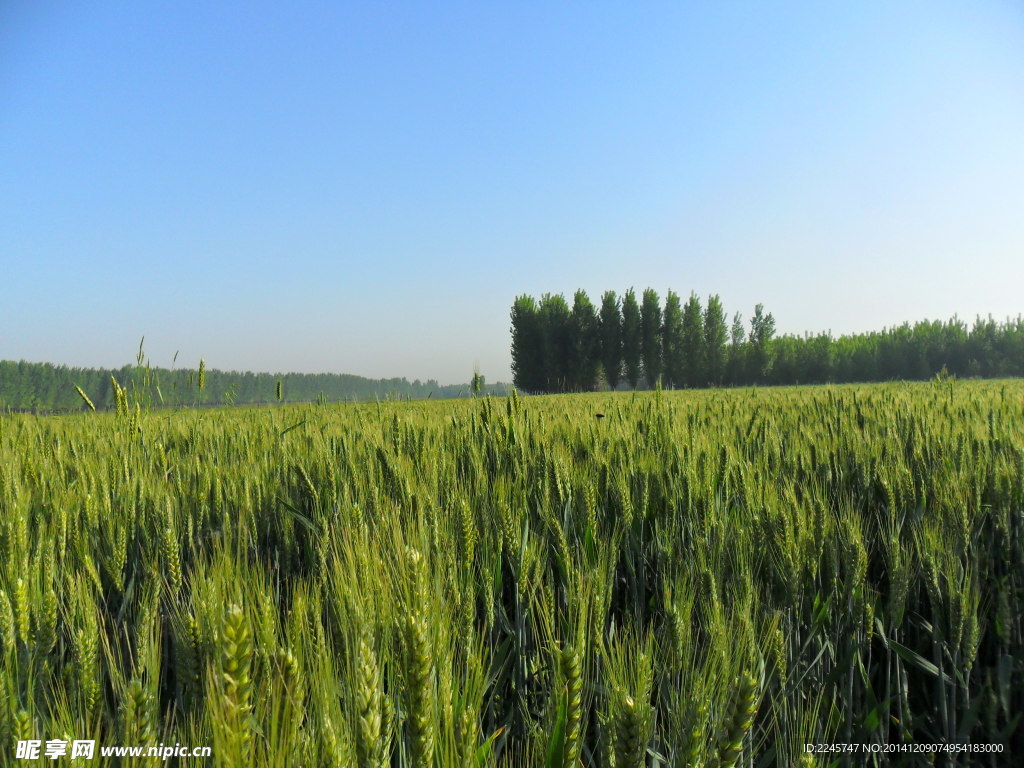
(45, 387)
(637, 342)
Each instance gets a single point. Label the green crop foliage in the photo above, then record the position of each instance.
(698, 578)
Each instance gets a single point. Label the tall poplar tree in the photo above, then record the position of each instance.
(737, 351)
(632, 341)
(762, 329)
(556, 320)
(672, 341)
(527, 345)
(650, 331)
(693, 343)
(584, 343)
(611, 338)
(715, 335)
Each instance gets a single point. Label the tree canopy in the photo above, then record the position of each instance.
(558, 350)
(45, 387)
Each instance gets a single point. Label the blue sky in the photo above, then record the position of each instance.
(365, 187)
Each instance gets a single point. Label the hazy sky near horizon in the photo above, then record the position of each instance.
(365, 187)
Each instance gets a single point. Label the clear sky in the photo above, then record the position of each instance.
(364, 187)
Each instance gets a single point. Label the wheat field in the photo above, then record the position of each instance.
(702, 578)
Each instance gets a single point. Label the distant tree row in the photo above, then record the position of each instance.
(45, 387)
(626, 342)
